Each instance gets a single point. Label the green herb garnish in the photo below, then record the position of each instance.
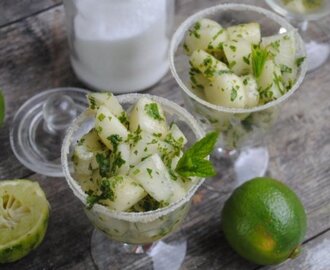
(123, 119)
(115, 139)
(2, 108)
(103, 160)
(153, 111)
(193, 162)
(300, 60)
(107, 187)
(233, 94)
(101, 117)
(258, 59)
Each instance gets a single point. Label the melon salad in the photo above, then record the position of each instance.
(236, 67)
(129, 160)
(304, 6)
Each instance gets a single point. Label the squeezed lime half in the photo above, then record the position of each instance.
(24, 212)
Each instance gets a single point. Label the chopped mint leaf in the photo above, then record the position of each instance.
(299, 61)
(107, 187)
(123, 119)
(185, 46)
(231, 64)
(92, 102)
(285, 69)
(193, 162)
(195, 30)
(246, 60)
(101, 117)
(233, 94)
(103, 160)
(149, 172)
(233, 48)
(115, 139)
(153, 111)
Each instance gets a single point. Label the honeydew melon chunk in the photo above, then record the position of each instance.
(206, 35)
(208, 65)
(107, 124)
(110, 226)
(124, 151)
(177, 134)
(303, 6)
(87, 182)
(227, 90)
(91, 141)
(283, 49)
(153, 229)
(153, 176)
(249, 31)
(198, 84)
(238, 54)
(251, 89)
(82, 160)
(95, 100)
(149, 116)
(269, 82)
(143, 148)
(178, 191)
(127, 192)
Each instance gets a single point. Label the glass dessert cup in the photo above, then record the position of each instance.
(134, 232)
(241, 153)
(315, 37)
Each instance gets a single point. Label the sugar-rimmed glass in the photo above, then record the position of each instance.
(137, 232)
(315, 37)
(242, 131)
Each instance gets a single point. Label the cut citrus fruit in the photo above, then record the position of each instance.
(24, 212)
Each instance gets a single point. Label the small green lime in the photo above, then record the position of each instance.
(264, 221)
(24, 212)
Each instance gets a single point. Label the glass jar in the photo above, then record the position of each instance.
(119, 45)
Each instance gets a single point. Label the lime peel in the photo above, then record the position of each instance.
(24, 213)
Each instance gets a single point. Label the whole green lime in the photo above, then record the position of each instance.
(264, 221)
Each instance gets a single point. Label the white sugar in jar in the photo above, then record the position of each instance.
(119, 45)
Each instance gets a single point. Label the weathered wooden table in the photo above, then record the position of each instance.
(34, 57)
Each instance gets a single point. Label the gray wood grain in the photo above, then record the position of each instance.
(34, 57)
(11, 11)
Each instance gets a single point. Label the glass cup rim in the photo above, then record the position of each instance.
(129, 216)
(308, 16)
(182, 29)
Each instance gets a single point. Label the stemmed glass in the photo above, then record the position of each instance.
(315, 38)
(241, 149)
(134, 232)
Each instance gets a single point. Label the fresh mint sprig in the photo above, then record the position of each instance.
(2, 108)
(258, 60)
(193, 162)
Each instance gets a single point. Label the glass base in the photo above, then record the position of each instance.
(317, 43)
(317, 54)
(236, 167)
(251, 162)
(168, 253)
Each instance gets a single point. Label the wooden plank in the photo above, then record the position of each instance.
(11, 11)
(34, 57)
(314, 256)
